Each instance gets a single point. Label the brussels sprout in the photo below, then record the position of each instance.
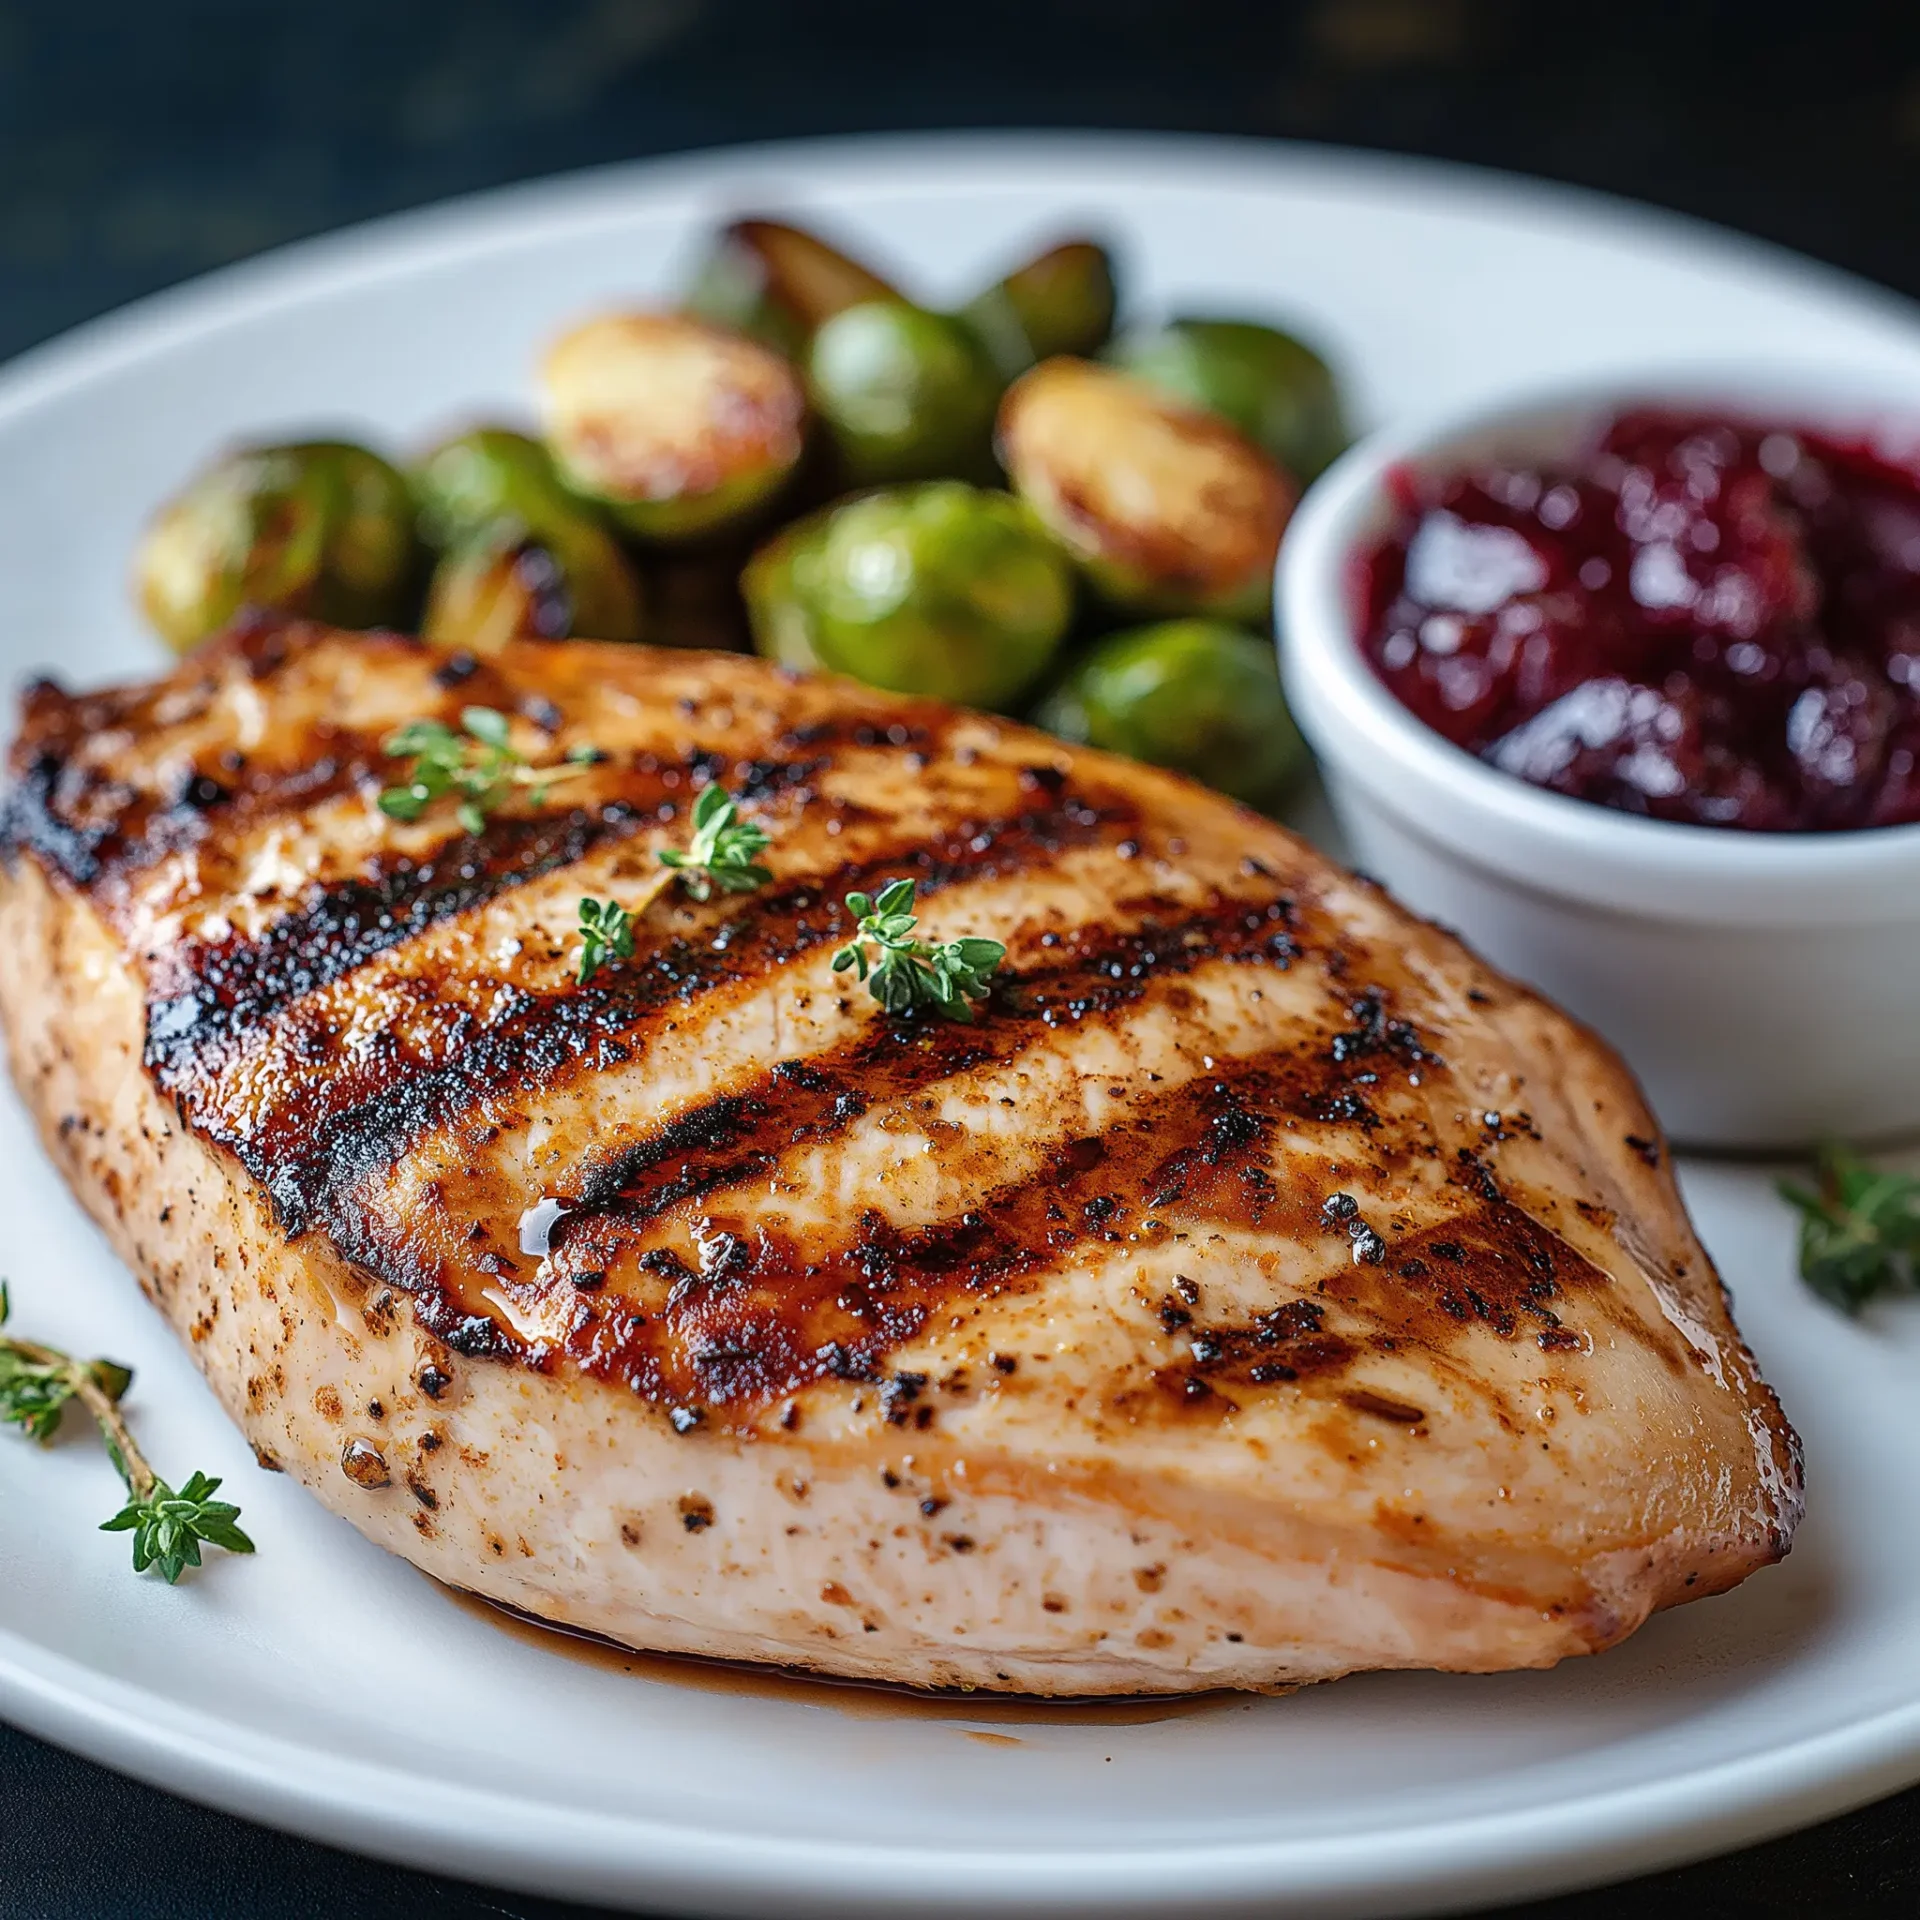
(320, 528)
(1168, 510)
(941, 589)
(1277, 391)
(1195, 695)
(778, 284)
(511, 585)
(676, 427)
(486, 478)
(1061, 301)
(525, 559)
(905, 394)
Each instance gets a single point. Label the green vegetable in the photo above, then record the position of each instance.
(1062, 301)
(941, 589)
(677, 428)
(905, 974)
(321, 529)
(478, 766)
(606, 928)
(722, 850)
(1168, 510)
(1194, 695)
(778, 284)
(904, 394)
(1275, 389)
(523, 558)
(1859, 1230)
(168, 1528)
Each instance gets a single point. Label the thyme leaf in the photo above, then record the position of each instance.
(606, 928)
(721, 853)
(37, 1383)
(475, 765)
(906, 974)
(1859, 1229)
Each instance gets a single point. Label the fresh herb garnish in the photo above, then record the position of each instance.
(1859, 1229)
(720, 855)
(606, 928)
(478, 763)
(36, 1384)
(906, 974)
(722, 849)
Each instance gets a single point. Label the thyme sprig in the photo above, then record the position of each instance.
(719, 856)
(606, 930)
(905, 973)
(477, 764)
(1859, 1229)
(37, 1383)
(721, 853)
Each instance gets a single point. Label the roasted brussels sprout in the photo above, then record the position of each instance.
(486, 478)
(320, 528)
(507, 586)
(1276, 390)
(905, 394)
(1195, 695)
(779, 283)
(1169, 510)
(524, 559)
(676, 427)
(1061, 301)
(941, 589)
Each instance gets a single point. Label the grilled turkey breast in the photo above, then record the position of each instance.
(1260, 1290)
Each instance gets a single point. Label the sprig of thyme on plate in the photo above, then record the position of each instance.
(905, 973)
(1859, 1229)
(37, 1383)
(720, 857)
(477, 764)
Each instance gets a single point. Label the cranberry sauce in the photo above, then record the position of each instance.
(1700, 620)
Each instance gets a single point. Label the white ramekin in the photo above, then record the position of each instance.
(1765, 987)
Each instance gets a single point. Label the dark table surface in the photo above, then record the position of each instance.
(143, 142)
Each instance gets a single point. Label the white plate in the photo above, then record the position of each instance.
(326, 1687)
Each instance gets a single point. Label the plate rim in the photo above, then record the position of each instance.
(622, 1858)
(1506, 1854)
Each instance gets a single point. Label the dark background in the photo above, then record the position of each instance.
(143, 143)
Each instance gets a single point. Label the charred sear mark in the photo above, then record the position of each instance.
(314, 1148)
(739, 1137)
(763, 1313)
(233, 987)
(1494, 1267)
(1375, 1034)
(1287, 1344)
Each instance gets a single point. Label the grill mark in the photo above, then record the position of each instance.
(739, 1136)
(207, 996)
(310, 1156)
(763, 1314)
(91, 829)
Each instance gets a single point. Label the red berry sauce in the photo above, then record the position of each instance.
(1700, 620)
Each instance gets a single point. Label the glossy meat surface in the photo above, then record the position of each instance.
(1260, 1290)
